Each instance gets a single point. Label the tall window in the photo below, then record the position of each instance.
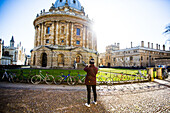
(48, 30)
(78, 31)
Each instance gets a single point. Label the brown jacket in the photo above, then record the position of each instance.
(91, 74)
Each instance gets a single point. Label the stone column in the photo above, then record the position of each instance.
(35, 38)
(39, 35)
(52, 33)
(92, 41)
(42, 34)
(150, 72)
(87, 39)
(45, 32)
(57, 28)
(84, 36)
(72, 33)
(67, 35)
(159, 72)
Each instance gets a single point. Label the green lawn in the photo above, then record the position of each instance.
(55, 72)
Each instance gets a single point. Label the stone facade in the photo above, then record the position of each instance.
(10, 55)
(63, 37)
(140, 56)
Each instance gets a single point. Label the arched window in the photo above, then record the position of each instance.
(61, 0)
(44, 60)
(74, 1)
(48, 30)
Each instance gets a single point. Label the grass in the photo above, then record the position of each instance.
(55, 72)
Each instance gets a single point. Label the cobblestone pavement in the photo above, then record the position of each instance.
(139, 97)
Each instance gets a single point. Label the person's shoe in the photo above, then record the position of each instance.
(95, 103)
(88, 105)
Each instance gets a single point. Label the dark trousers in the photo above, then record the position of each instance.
(89, 93)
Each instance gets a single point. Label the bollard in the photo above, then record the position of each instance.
(150, 72)
(159, 72)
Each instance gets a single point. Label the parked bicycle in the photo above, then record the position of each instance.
(48, 79)
(80, 79)
(24, 76)
(109, 80)
(8, 76)
(100, 79)
(68, 78)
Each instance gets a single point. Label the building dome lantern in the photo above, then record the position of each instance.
(71, 3)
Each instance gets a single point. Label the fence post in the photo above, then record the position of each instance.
(150, 72)
(159, 72)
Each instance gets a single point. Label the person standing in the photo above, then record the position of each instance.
(90, 82)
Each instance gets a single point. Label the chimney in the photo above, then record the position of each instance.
(152, 45)
(163, 47)
(157, 46)
(131, 45)
(142, 43)
(148, 44)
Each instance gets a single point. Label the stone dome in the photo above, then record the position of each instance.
(71, 3)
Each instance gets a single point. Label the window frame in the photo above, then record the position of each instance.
(78, 32)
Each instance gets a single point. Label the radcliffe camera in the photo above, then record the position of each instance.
(75, 56)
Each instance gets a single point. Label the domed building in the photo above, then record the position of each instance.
(63, 37)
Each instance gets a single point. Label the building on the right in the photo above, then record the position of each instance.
(140, 56)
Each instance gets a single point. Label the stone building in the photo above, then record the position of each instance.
(63, 37)
(10, 55)
(140, 56)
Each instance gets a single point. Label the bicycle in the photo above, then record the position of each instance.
(60, 79)
(100, 79)
(36, 79)
(9, 76)
(80, 79)
(109, 80)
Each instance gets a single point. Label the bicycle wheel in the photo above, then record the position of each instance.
(109, 81)
(80, 80)
(98, 82)
(11, 78)
(58, 80)
(71, 81)
(36, 79)
(49, 79)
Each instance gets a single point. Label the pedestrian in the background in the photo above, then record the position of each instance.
(90, 81)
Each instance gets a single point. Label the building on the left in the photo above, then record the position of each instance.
(10, 55)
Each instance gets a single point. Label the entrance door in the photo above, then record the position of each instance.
(78, 59)
(44, 60)
(108, 64)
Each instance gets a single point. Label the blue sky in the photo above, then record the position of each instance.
(120, 21)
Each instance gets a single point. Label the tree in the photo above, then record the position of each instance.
(167, 29)
(167, 35)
